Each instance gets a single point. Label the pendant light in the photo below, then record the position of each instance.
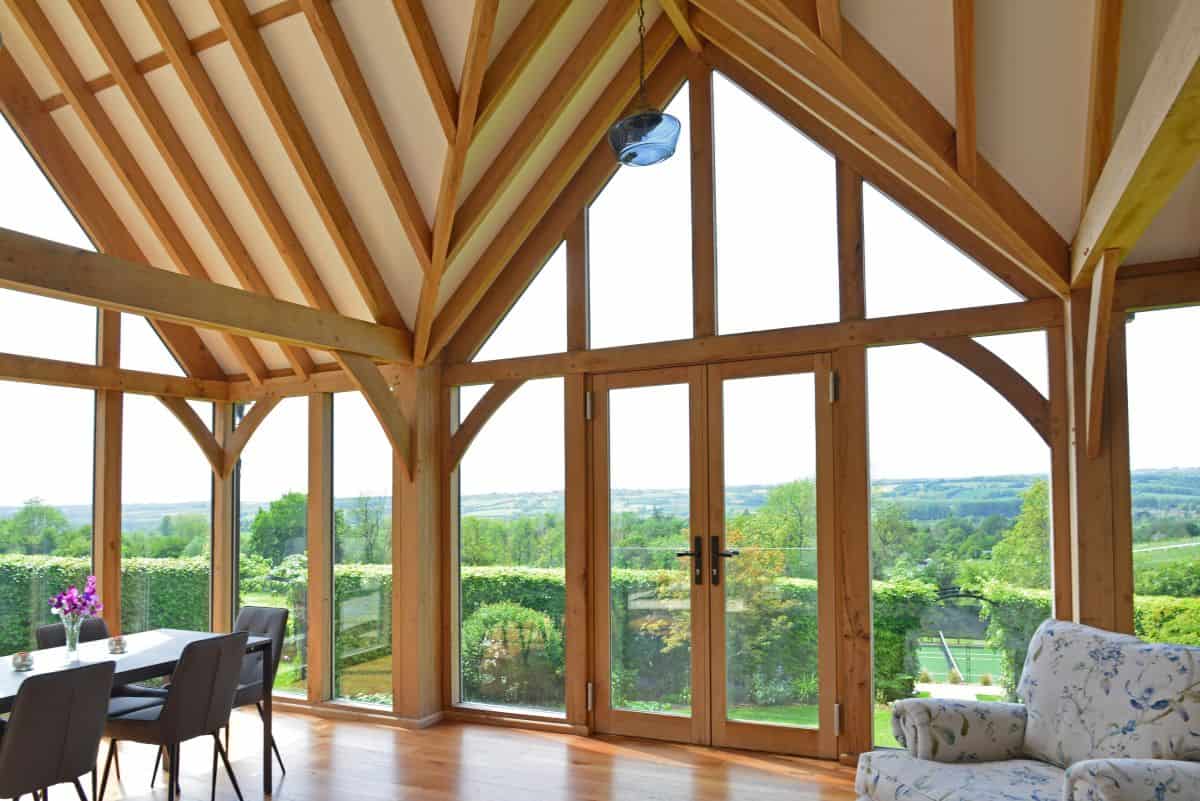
(647, 136)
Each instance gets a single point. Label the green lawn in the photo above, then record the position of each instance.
(806, 715)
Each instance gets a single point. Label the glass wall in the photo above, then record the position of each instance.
(511, 548)
(1164, 454)
(362, 550)
(166, 519)
(273, 530)
(537, 322)
(960, 525)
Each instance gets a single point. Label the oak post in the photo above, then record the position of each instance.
(106, 505)
(222, 592)
(320, 547)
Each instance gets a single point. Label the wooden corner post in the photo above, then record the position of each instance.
(222, 592)
(106, 506)
(320, 547)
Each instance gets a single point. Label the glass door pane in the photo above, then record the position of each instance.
(650, 587)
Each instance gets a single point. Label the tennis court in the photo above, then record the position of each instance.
(974, 659)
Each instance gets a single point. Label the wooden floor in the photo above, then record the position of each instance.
(333, 760)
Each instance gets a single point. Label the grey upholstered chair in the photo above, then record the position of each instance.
(54, 731)
(198, 704)
(260, 621)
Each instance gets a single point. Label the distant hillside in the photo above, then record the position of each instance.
(1171, 493)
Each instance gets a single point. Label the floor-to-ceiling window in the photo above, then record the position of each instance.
(1164, 453)
(362, 550)
(273, 530)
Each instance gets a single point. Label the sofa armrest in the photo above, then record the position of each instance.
(1132, 780)
(946, 730)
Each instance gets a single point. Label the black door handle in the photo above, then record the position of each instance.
(697, 556)
(717, 556)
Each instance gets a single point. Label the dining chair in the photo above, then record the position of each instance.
(199, 701)
(54, 731)
(259, 621)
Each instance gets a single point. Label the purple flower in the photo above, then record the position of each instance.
(73, 603)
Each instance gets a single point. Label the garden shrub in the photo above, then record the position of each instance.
(512, 654)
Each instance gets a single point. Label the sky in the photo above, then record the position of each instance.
(776, 250)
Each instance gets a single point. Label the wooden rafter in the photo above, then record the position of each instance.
(1157, 146)
(487, 406)
(676, 11)
(1102, 91)
(35, 370)
(79, 191)
(430, 62)
(302, 151)
(244, 431)
(377, 391)
(211, 107)
(541, 117)
(198, 430)
(483, 24)
(522, 45)
(1000, 376)
(775, 27)
(1100, 314)
(371, 129)
(829, 23)
(964, 90)
(574, 152)
(179, 161)
(196, 45)
(50, 269)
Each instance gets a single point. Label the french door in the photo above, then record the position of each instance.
(713, 605)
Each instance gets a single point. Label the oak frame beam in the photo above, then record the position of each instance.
(487, 406)
(519, 49)
(966, 155)
(199, 432)
(829, 23)
(1000, 376)
(323, 21)
(74, 184)
(50, 269)
(676, 11)
(245, 429)
(1156, 147)
(1102, 91)
(377, 391)
(305, 157)
(1100, 314)
(430, 63)
(36, 370)
(483, 25)
(108, 42)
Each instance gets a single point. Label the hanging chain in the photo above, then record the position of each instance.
(642, 54)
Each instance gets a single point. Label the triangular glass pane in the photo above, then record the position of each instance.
(910, 268)
(142, 349)
(776, 212)
(537, 323)
(32, 325)
(640, 249)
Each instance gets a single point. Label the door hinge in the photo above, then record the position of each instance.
(587, 405)
(837, 720)
(835, 386)
(591, 696)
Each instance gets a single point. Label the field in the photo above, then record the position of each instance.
(1154, 554)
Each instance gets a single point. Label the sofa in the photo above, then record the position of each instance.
(1103, 717)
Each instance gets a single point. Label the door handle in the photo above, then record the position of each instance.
(717, 556)
(697, 556)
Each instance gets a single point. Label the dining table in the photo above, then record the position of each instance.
(147, 655)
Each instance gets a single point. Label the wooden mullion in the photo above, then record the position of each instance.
(852, 293)
(704, 235)
(108, 444)
(575, 524)
(1060, 474)
(319, 611)
(578, 290)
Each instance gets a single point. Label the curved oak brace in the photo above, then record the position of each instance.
(492, 400)
(378, 392)
(245, 429)
(196, 427)
(997, 373)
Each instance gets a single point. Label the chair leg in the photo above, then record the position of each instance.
(79, 789)
(229, 770)
(274, 747)
(94, 796)
(216, 741)
(173, 781)
(157, 762)
(107, 764)
(117, 759)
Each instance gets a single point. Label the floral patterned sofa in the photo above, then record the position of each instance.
(1105, 717)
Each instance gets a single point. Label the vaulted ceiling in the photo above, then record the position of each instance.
(375, 157)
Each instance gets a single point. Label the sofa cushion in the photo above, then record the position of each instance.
(1093, 694)
(890, 775)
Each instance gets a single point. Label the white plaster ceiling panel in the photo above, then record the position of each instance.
(135, 31)
(74, 38)
(508, 17)
(179, 207)
(917, 37)
(272, 354)
(13, 39)
(114, 191)
(195, 17)
(219, 177)
(1172, 234)
(1143, 24)
(542, 68)
(395, 84)
(547, 149)
(221, 351)
(321, 357)
(312, 85)
(1032, 68)
(256, 129)
(451, 24)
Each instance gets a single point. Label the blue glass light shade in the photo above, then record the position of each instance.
(644, 138)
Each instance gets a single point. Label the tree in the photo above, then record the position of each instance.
(892, 537)
(366, 522)
(35, 529)
(279, 529)
(1022, 556)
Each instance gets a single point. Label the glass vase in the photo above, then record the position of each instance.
(71, 625)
